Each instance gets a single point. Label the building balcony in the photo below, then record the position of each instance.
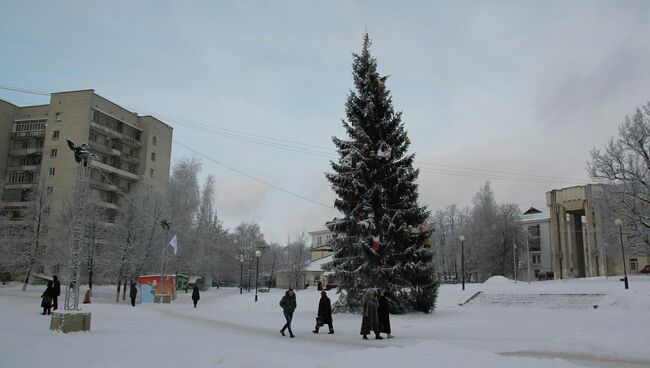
(34, 168)
(125, 174)
(30, 134)
(20, 185)
(104, 130)
(131, 142)
(96, 147)
(103, 186)
(113, 206)
(25, 151)
(15, 204)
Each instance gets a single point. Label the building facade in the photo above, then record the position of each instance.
(35, 156)
(536, 226)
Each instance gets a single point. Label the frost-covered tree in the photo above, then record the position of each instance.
(380, 241)
(248, 238)
(624, 167)
(24, 233)
(296, 257)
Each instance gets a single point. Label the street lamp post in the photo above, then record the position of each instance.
(241, 273)
(257, 271)
(514, 259)
(462, 258)
(618, 223)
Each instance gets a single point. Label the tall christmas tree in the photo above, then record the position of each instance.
(382, 240)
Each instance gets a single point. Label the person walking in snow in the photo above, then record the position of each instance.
(288, 304)
(324, 313)
(133, 293)
(57, 291)
(370, 321)
(383, 312)
(47, 296)
(195, 295)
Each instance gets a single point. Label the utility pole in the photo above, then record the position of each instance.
(528, 255)
(514, 259)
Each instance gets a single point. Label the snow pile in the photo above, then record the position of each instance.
(498, 280)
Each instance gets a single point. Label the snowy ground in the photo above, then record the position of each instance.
(231, 330)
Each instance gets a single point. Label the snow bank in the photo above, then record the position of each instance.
(498, 280)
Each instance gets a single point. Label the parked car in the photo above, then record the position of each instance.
(645, 269)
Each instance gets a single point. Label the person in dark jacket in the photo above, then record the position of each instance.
(370, 321)
(288, 304)
(195, 295)
(383, 312)
(133, 293)
(324, 313)
(57, 291)
(47, 296)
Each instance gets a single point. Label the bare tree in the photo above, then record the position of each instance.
(624, 167)
(297, 256)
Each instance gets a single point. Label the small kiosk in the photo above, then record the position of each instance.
(157, 289)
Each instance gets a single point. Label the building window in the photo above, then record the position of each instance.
(534, 238)
(55, 134)
(153, 156)
(53, 152)
(151, 172)
(536, 259)
(50, 190)
(154, 141)
(92, 137)
(634, 264)
(51, 171)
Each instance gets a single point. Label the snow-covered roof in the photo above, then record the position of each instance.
(535, 216)
(317, 265)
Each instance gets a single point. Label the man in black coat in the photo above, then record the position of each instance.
(195, 295)
(324, 313)
(132, 293)
(57, 292)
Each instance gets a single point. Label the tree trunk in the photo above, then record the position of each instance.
(119, 284)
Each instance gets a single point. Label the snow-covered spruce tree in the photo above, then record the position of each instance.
(380, 241)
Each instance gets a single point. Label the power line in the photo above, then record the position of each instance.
(252, 177)
(325, 152)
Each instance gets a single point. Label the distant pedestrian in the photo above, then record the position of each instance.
(370, 321)
(288, 304)
(195, 295)
(57, 291)
(47, 296)
(133, 293)
(324, 313)
(383, 312)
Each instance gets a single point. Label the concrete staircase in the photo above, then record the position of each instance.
(543, 301)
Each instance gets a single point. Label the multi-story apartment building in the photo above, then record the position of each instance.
(34, 153)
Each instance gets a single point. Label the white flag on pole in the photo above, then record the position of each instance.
(174, 244)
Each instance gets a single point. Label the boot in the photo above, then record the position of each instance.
(378, 337)
(331, 332)
(315, 331)
(365, 337)
(282, 332)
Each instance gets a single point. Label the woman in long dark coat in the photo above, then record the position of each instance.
(324, 313)
(47, 296)
(383, 312)
(195, 295)
(370, 321)
(288, 304)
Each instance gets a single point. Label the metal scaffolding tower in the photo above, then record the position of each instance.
(79, 237)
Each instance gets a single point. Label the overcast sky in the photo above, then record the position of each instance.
(487, 89)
